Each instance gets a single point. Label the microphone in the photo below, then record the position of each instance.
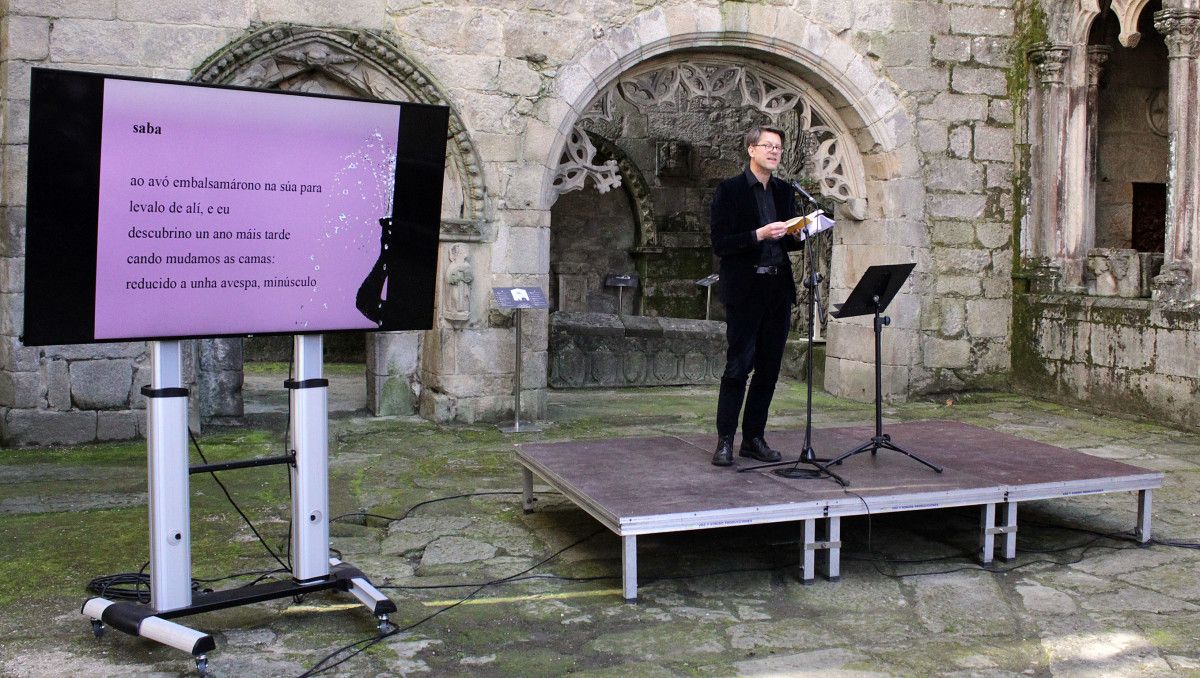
(800, 189)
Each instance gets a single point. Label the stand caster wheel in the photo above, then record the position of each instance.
(202, 666)
(97, 628)
(384, 624)
(298, 599)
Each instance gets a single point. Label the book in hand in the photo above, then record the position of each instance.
(809, 224)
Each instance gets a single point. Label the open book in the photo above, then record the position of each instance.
(809, 224)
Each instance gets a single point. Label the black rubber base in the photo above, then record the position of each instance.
(797, 473)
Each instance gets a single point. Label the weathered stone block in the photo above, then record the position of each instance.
(219, 394)
(116, 425)
(953, 107)
(956, 206)
(88, 41)
(947, 353)
(101, 384)
(920, 78)
(960, 141)
(981, 21)
(988, 318)
(966, 286)
(992, 51)
(951, 48)
(16, 162)
(993, 143)
(967, 80)
(12, 275)
(231, 13)
(1178, 352)
(932, 136)
(959, 176)
(93, 9)
(219, 354)
(1000, 111)
(18, 357)
(391, 395)
(12, 231)
(38, 427)
(58, 385)
(25, 37)
(1112, 272)
(130, 350)
(951, 233)
(393, 353)
(20, 389)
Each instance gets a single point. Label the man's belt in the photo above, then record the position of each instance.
(768, 270)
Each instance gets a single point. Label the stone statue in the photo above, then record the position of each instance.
(457, 301)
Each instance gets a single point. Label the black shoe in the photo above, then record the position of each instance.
(757, 448)
(724, 454)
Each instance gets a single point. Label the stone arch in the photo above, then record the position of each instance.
(882, 130)
(1082, 15)
(362, 63)
(367, 64)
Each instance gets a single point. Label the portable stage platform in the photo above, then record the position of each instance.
(637, 486)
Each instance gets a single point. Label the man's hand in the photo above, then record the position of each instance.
(772, 231)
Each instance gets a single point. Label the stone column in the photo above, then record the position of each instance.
(1180, 278)
(1097, 55)
(1044, 244)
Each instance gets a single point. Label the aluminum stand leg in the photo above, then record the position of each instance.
(527, 489)
(309, 441)
(1145, 503)
(833, 548)
(808, 556)
(629, 567)
(168, 498)
(987, 534)
(1008, 518)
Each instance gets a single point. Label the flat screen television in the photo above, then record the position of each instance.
(169, 210)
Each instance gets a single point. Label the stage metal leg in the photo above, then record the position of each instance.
(168, 493)
(987, 533)
(808, 556)
(833, 548)
(527, 489)
(1008, 519)
(1145, 502)
(309, 395)
(629, 566)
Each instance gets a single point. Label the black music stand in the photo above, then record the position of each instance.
(874, 291)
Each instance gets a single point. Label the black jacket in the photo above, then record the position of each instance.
(733, 220)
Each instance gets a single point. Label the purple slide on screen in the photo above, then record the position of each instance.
(224, 204)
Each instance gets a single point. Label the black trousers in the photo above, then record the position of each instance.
(757, 330)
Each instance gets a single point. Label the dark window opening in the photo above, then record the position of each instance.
(1149, 217)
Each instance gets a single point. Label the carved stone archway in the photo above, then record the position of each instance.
(367, 64)
(833, 161)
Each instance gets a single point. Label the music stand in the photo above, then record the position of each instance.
(874, 291)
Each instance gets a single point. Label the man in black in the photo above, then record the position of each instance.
(747, 221)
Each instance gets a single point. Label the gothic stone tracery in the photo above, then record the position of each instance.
(680, 85)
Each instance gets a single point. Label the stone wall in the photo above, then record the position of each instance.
(915, 89)
(1126, 356)
(599, 350)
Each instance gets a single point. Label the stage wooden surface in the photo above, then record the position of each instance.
(629, 477)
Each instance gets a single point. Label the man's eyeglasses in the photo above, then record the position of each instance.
(770, 147)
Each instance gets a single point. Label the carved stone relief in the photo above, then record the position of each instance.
(681, 85)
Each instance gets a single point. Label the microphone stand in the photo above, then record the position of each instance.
(812, 282)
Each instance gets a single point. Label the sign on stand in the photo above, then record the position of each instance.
(519, 298)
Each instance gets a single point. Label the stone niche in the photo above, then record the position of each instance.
(600, 350)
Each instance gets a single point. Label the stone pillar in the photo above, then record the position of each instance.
(1180, 278)
(392, 372)
(219, 378)
(1044, 243)
(1097, 55)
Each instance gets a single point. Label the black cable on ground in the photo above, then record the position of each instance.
(237, 508)
(355, 648)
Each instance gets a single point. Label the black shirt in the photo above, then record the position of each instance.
(772, 253)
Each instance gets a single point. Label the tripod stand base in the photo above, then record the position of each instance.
(797, 473)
